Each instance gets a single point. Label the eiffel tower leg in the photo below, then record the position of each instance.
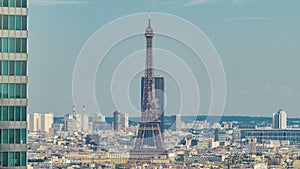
(148, 143)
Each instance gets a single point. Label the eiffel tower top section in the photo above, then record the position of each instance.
(149, 30)
(149, 111)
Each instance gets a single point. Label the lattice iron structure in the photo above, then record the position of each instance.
(149, 141)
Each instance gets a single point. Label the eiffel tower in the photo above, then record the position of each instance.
(149, 141)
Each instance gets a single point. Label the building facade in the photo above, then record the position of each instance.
(46, 122)
(99, 123)
(279, 120)
(216, 134)
(72, 123)
(98, 117)
(34, 122)
(117, 121)
(13, 83)
(120, 121)
(84, 122)
(39, 122)
(201, 158)
(264, 135)
(160, 98)
(176, 122)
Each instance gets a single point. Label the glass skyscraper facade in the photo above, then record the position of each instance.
(13, 83)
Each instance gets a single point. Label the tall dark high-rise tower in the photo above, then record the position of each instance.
(160, 99)
(149, 141)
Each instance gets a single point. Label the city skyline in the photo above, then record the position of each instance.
(259, 71)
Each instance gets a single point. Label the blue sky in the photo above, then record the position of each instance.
(257, 41)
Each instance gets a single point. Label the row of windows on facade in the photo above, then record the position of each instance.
(13, 45)
(14, 3)
(267, 133)
(13, 68)
(13, 90)
(294, 135)
(13, 113)
(13, 136)
(12, 159)
(13, 22)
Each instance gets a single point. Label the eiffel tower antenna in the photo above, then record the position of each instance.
(149, 17)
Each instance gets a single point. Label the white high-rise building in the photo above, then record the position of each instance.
(34, 122)
(282, 120)
(40, 122)
(98, 117)
(85, 122)
(46, 122)
(279, 120)
(126, 118)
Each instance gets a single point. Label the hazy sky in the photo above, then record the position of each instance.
(257, 41)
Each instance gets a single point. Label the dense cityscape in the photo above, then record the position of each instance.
(104, 142)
